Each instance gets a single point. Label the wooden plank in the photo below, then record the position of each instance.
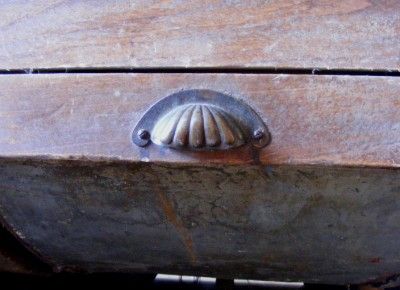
(355, 34)
(325, 120)
(282, 223)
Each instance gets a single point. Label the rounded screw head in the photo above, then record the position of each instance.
(143, 134)
(258, 134)
(141, 138)
(261, 137)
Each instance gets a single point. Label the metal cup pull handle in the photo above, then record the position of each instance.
(201, 120)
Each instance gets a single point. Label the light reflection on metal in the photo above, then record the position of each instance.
(201, 120)
(198, 126)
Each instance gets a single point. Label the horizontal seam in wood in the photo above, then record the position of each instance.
(204, 70)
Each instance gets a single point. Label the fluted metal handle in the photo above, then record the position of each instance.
(201, 120)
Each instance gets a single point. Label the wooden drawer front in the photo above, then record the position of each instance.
(319, 204)
(351, 121)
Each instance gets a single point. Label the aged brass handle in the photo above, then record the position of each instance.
(201, 120)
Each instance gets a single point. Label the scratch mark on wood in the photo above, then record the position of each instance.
(173, 218)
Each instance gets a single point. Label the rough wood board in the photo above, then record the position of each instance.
(356, 34)
(309, 223)
(327, 120)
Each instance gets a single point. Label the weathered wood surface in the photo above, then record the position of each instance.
(76, 189)
(326, 120)
(312, 224)
(357, 34)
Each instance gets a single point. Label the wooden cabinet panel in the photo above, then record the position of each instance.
(325, 120)
(355, 34)
(319, 204)
(315, 224)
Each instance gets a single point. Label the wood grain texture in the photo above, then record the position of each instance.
(356, 34)
(326, 120)
(281, 223)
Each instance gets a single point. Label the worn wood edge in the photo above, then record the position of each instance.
(96, 160)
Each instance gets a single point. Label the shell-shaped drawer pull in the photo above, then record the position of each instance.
(201, 120)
